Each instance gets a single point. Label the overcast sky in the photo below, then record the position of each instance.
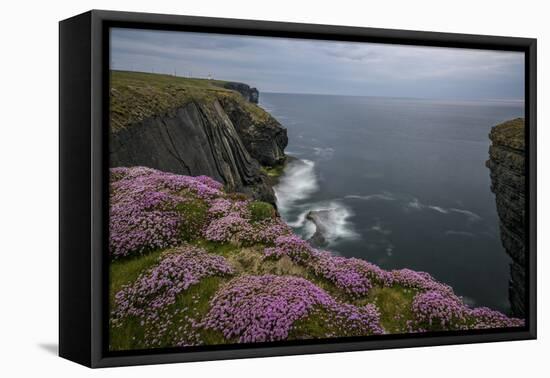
(324, 67)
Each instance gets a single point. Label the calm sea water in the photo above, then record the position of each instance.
(406, 181)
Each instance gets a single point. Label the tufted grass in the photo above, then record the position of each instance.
(261, 211)
(125, 271)
(394, 304)
(195, 215)
(136, 96)
(131, 334)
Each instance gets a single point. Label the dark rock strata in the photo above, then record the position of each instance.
(262, 135)
(249, 94)
(196, 139)
(507, 165)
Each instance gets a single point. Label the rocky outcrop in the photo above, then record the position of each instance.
(249, 94)
(197, 138)
(507, 165)
(319, 219)
(262, 135)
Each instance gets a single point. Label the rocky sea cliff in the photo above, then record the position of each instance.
(507, 166)
(194, 127)
(199, 254)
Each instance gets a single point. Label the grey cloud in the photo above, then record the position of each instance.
(311, 66)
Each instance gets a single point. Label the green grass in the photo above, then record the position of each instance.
(223, 249)
(135, 96)
(195, 216)
(323, 323)
(131, 334)
(510, 134)
(394, 304)
(261, 211)
(274, 173)
(125, 271)
(315, 326)
(199, 296)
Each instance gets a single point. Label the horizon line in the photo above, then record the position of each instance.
(516, 100)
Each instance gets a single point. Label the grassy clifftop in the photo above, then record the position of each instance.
(135, 96)
(510, 134)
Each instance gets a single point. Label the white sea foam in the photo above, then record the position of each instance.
(379, 228)
(417, 205)
(296, 184)
(470, 214)
(439, 209)
(324, 153)
(336, 221)
(379, 196)
(389, 249)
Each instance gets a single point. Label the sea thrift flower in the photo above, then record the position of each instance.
(220, 207)
(209, 182)
(343, 274)
(227, 228)
(354, 276)
(232, 223)
(292, 246)
(264, 308)
(487, 318)
(419, 280)
(143, 214)
(268, 230)
(439, 311)
(158, 287)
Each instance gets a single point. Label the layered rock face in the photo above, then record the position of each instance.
(194, 127)
(249, 94)
(507, 165)
(262, 135)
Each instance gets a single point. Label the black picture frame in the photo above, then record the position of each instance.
(83, 165)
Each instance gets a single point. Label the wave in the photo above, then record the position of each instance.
(324, 153)
(439, 209)
(336, 221)
(379, 228)
(297, 183)
(417, 205)
(379, 196)
(470, 214)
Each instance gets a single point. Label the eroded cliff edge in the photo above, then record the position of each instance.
(195, 127)
(507, 165)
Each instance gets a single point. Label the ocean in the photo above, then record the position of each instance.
(404, 181)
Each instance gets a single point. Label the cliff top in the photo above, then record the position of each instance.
(136, 96)
(509, 134)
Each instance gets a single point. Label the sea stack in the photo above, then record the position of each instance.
(507, 165)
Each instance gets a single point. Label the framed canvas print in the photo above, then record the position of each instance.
(233, 188)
